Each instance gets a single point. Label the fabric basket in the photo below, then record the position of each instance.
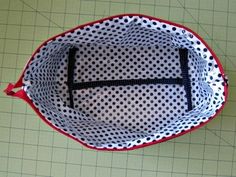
(124, 82)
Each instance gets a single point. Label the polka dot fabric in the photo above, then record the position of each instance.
(126, 47)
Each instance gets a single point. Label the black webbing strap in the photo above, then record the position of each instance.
(185, 81)
(70, 74)
(183, 53)
(93, 84)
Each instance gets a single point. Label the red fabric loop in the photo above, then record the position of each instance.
(9, 88)
(20, 93)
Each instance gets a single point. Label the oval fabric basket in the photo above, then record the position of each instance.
(124, 82)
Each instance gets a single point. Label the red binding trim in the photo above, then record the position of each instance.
(21, 93)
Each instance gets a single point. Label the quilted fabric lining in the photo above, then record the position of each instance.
(124, 48)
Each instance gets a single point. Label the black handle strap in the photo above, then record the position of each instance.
(103, 83)
(185, 81)
(70, 73)
(183, 53)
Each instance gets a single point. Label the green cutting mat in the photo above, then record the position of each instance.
(29, 148)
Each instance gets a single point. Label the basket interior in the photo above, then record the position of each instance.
(125, 81)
